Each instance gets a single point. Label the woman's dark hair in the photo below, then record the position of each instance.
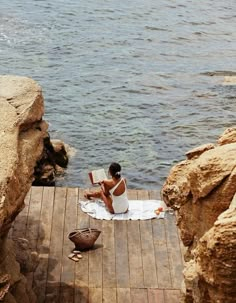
(114, 170)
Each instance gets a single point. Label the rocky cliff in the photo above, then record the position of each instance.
(201, 190)
(22, 132)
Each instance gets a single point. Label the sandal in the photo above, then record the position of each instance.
(75, 251)
(75, 257)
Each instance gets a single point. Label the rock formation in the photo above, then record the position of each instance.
(52, 163)
(21, 142)
(201, 189)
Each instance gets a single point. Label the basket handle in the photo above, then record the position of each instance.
(84, 229)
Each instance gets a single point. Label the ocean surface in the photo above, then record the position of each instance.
(136, 82)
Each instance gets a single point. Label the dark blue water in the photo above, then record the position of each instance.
(125, 81)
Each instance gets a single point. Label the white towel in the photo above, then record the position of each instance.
(138, 210)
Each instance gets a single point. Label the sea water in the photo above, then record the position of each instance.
(125, 81)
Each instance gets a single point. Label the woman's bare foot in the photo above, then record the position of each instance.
(88, 196)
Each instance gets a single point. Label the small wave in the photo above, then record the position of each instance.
(158, 87)
(135, 91)
(230, 97)
(201, 23)
(182, 38)
(219, 73)
(206, 95)
(153, 28)
(199, 33)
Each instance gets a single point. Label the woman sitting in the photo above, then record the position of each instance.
(113, 191)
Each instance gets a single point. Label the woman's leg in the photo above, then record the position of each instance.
(108, 202)
(100, 194)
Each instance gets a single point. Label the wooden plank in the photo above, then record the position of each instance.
(83, 218)
(135, 255)
(43, 243)
(81, 267)
(55, 256)
(174, 251)
(156, 296)
(68, 266)
(148, 253)
(172, 295)
(19, 227)
(44, 235)
(33, 221)
(123, 295)
(183, 248)
(138, 295)
(155, 194)
(132, 194)
(134, 249)
(109, 261)
(122, 256)
(161, 250)
(95, 295)
(95, 257)
(109, 295)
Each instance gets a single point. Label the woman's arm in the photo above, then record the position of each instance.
(106, 186)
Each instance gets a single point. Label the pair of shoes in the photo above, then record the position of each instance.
(75, 257)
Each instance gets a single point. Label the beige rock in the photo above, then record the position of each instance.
(22, 132)
(213, 270)
(229, 136)
(176, 189)
(200, 189)
(196, 152)
(203, 191)
(60, 153)
(210, 169)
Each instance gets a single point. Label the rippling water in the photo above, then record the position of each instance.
(124, 81)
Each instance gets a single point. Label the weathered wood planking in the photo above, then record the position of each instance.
(161, 250)
(95, 295)
(172, 295)
(148, 253)
(122, 256)
(123, 295)
(82, 268)
(109, 260)
(109, 295)
(96, 257)
(118, 269)
(174, 251)
(43, 243)
(33, 221)
(135, 250)
(55, 256)
(68, 266)
(139, 295)
(156, 296)
(19, 226)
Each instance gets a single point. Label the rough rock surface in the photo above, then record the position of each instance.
(200, 189)
(196, 152)
(229, 136)
(211, 275)
(22, 132)
(52, 163)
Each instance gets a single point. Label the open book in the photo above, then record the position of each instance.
(97, 176)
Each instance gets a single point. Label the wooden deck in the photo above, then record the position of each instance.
(132, 261)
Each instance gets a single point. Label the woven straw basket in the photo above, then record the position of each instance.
(84, 238)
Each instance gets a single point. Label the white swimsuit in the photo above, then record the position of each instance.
(120, 203)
